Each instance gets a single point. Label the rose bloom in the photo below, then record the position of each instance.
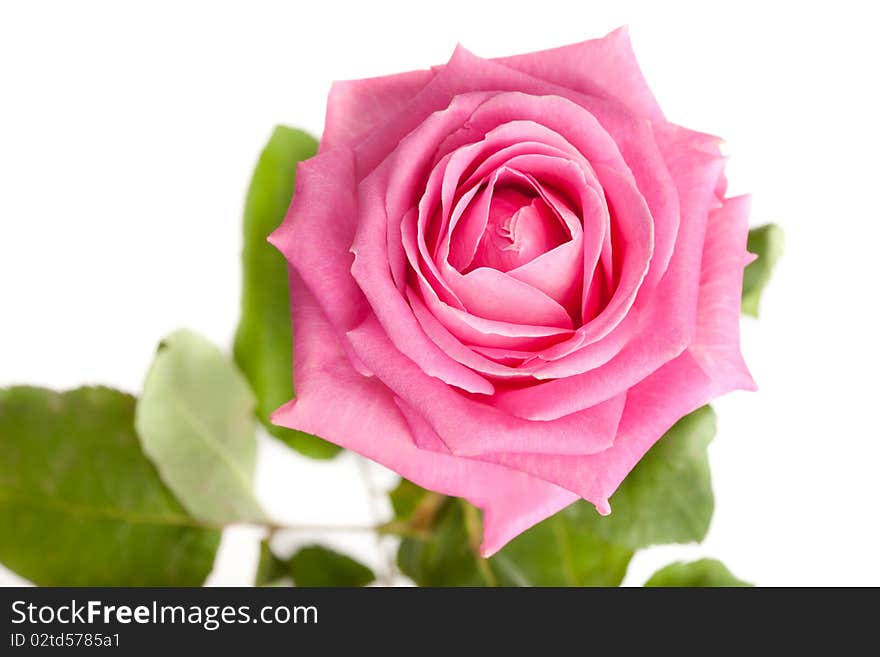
(510, 277)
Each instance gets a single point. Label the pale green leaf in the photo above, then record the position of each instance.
(767, 243)
(196, 422)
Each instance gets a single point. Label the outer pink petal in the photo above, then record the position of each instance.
(652, 407)
(354, 107)
(463, 73)
(359, 413)
(716, 346)
(604, 67)
(470, 427)
(527, 502)
(370, 271)
(317, 232)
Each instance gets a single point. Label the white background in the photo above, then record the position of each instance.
(128, 132)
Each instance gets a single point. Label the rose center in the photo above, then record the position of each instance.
(520, 227)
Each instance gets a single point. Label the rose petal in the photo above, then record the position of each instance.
(716, 347)
(360, 413)
(371, 271)
(711, 366)
(604, 67)
(587, 357)
(316, 217)
(494, 295)
(650, 410)
(635, 238)
(469, 427)
(355, 107)
(472, 329)
(667, 325)
(451, 345)
(527, 502)
(624, 143)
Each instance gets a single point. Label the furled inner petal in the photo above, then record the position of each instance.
(469, 164)
(520, 228)
(494, 295)
(472, 329)
(473, 357)
(518, 225)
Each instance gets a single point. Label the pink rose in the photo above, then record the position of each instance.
(510, 277)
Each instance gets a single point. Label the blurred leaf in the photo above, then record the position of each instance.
(415, 510)
(195, 421)
(560, 551)
(270, 569)
(263, 342)
(319, 566)
(80, 504)
(446, 558)
(705, 572)
(667, 498)
(313, 565)
(767, 243)
(405, 497)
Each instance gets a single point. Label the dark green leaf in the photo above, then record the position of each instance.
(705, 572)
(560, 551)
(263, 342)
(319, 566)
(563, 550)
(767, 243)
(667, 498)
(80, 504)
(196, 422)
(270, 569)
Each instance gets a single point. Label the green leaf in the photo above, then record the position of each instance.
(319, 566)
(705, 572)
(447, 557)
(667, 498)
(311, 566)
(415, 510)
(767, 243)
(195, 421)
(263, 343)
(80, 504)
(563, 550)
(405, 498)
(560, 551)
(270, 569)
